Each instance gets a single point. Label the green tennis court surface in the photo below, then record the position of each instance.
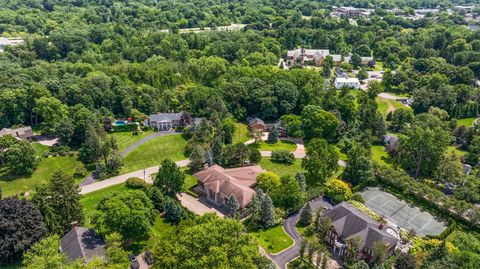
(402, 214)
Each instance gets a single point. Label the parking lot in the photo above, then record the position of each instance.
(404, 215)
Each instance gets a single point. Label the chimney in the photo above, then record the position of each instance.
(380, 226)
(74, 224)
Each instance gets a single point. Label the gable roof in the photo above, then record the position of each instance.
(82, 243)
(235, 181)
(23, 132)
(350, 222)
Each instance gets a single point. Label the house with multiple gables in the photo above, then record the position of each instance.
(219, 184)
(348, 222)
(168, 121)
(317, 56)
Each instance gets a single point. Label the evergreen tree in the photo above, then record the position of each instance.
(306, 215)
(173, 211)
(209, 157)
(256, 206)
(217, 148)
(197, 159)
(273, 135)
(267, 212)
(302, 182)
(170, 178)
(233, 206)
(59, 203)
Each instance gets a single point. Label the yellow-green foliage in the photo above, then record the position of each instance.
(335, 187)
(365, 210)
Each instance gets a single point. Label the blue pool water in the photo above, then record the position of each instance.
(120, 122)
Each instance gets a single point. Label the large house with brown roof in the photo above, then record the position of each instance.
(21, 133)
(219, 184)
(348, 222)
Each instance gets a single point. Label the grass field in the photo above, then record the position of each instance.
(273, 240)
(190, 180)
(467, 122)
(154, 151)
(385, 105)
(379, 154)
(241, 133)
(281, 144)
(12, 185)
(125, 139)
(281, 169)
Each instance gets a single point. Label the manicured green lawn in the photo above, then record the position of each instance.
(241, 133)
(280, 168)
(273, 240)
(281, 144)
(12, 184)
(154, 151)
(90, 200)
(190, 180)
(467, 122)
(39, 148)
(379, 154)
(125, 139)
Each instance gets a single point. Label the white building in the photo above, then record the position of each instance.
(14, 41)
(347, 82)
(163, 121)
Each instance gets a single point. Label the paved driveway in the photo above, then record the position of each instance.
(195, 205)
(289, 225)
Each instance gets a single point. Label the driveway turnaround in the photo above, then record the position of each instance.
(144, 173)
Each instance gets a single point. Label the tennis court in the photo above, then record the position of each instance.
(402, 214)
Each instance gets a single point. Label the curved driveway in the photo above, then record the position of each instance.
(289, 225)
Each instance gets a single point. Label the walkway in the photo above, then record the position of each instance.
(196, 206)
(289, 225)
(90, 180)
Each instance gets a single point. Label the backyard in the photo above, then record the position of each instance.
(379, 154)
(281, 144)
(386, 106)
(241, 133)
(273, 240)
(13, 184)
(152, 152)
(280, 168)
(467, 122)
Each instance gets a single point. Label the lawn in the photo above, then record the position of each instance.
(341, 155)
(91, 200)
(273, 240)
(379, 154)
(157, 232)
(39, 148)
(281, 144)
(467, 122)
(386, 105)
(241, 133)
(457, 151)
(280, 168)
(126, 139)
(12, 185)
(190, 180)
(152, 152)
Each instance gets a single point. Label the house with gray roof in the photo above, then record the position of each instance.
(82, 243)
(163, 121)
(21, 133)
(348, 222)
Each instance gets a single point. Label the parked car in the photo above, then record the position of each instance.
(148, 256)
(134, 262)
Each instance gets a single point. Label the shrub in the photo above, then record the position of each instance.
(366, 210)
(80, 171)
(136, 183)
(283, 156)
(125, 128)
(338, 189)
(357, 197)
